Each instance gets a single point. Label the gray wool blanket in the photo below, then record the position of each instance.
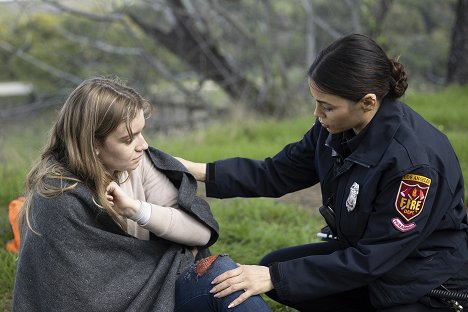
(83, 261)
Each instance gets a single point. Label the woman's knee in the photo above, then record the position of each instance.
(214, 265)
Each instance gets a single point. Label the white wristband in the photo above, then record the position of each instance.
(143, 215)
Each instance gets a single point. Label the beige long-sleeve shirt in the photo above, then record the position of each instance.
(147, 184)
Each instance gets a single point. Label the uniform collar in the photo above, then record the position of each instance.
(368, 147)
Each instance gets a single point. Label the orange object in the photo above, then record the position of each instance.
(13, 211)
(204, 264)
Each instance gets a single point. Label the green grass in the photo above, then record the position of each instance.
(446, 109)
(252, 228)
(7, 269)
(20, 145)
(247, 137)
(249, 228)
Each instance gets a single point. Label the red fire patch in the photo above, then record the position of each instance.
(412, 195)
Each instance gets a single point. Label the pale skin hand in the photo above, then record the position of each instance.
(126, 206)
(253, 279)
(122, 203)
(198, 170)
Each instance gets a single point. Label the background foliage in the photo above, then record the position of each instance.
(255, 52)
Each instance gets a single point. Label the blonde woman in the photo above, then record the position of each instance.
(110, 224)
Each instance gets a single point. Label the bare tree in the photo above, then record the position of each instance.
(310, 33)
(38, 63)
(195, 46)
(379, 13)
(186, 33)
(458, 58)
(256, 51)
(354, 9)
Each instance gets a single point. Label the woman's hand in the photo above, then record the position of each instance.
(253, 279)
(122, 203)
(198, 170)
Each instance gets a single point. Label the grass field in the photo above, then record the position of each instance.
(249, 228)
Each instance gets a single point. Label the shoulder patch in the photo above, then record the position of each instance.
(402, 227)
(411, 195)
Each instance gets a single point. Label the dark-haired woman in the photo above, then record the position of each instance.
(392, 194)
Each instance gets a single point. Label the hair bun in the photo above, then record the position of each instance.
(399, 79)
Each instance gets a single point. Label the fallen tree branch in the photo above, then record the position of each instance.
(39, 64)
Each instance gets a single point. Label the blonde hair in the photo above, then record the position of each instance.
(91, 112)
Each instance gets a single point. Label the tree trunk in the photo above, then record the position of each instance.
(310, 34)
(195, 47)
(379, 13)
(458, 58)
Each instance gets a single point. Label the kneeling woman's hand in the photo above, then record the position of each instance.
(122, 203)
(253, 279)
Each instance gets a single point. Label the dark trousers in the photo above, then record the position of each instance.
(349, 301)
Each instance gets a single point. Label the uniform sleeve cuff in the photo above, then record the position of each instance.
(211, 188)
(210, 172)
(275, 275)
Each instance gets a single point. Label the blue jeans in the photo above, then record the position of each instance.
(193, 291)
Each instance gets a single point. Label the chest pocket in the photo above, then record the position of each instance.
(354, 208)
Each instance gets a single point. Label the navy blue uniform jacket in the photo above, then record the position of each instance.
(407, 230)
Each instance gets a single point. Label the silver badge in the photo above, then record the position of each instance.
(352, 197)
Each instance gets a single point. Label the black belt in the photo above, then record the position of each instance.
(450, 297)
